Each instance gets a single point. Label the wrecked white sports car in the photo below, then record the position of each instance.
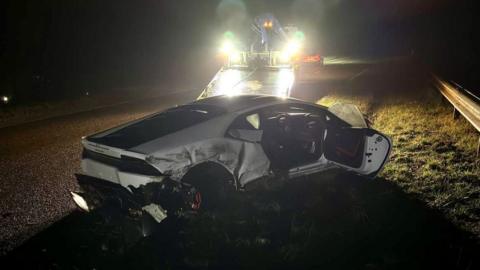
(200, 150)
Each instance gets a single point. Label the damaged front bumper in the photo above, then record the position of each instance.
(154, 199)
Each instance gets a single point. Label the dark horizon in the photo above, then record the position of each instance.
(57, 49)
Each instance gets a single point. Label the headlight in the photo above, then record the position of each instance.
(293, 47)
(227, 47)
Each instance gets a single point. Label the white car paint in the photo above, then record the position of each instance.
(175, 153)
(112, 174)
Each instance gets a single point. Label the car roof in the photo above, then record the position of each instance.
(242, 102)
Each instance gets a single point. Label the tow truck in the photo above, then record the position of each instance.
(266, 66)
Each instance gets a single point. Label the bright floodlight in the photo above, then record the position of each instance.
(5, 99)
(227, 47)
(293, 47)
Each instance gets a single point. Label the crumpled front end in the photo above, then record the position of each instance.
(155, 199)
(136, 211)
(98, 193)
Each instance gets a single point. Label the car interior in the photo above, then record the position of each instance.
(295, 135)
(292, 135)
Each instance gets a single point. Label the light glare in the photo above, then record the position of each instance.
(235, 57)
(293, 47)
(227, 47)
(228, 82)
(284, 82)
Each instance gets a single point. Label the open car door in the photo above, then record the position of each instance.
(361, 150)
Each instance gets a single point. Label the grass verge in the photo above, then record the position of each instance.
(433, 154)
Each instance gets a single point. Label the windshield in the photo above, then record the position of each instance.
(159, 125)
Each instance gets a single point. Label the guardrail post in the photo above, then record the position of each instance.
(478, 146)
(455, 113)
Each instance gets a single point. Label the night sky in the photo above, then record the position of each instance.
(58, 48)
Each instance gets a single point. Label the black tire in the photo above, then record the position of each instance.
(213, 182)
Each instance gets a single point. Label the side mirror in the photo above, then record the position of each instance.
(246, 135)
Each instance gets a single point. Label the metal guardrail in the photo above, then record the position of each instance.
(464, 102)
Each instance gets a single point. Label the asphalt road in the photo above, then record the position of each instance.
(38, 161)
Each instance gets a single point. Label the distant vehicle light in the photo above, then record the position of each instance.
(268, 24)
(5, 99)
(312, 58)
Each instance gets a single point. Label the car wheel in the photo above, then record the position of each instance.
(212, 184)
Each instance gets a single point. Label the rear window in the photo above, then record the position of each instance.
(159, 125)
